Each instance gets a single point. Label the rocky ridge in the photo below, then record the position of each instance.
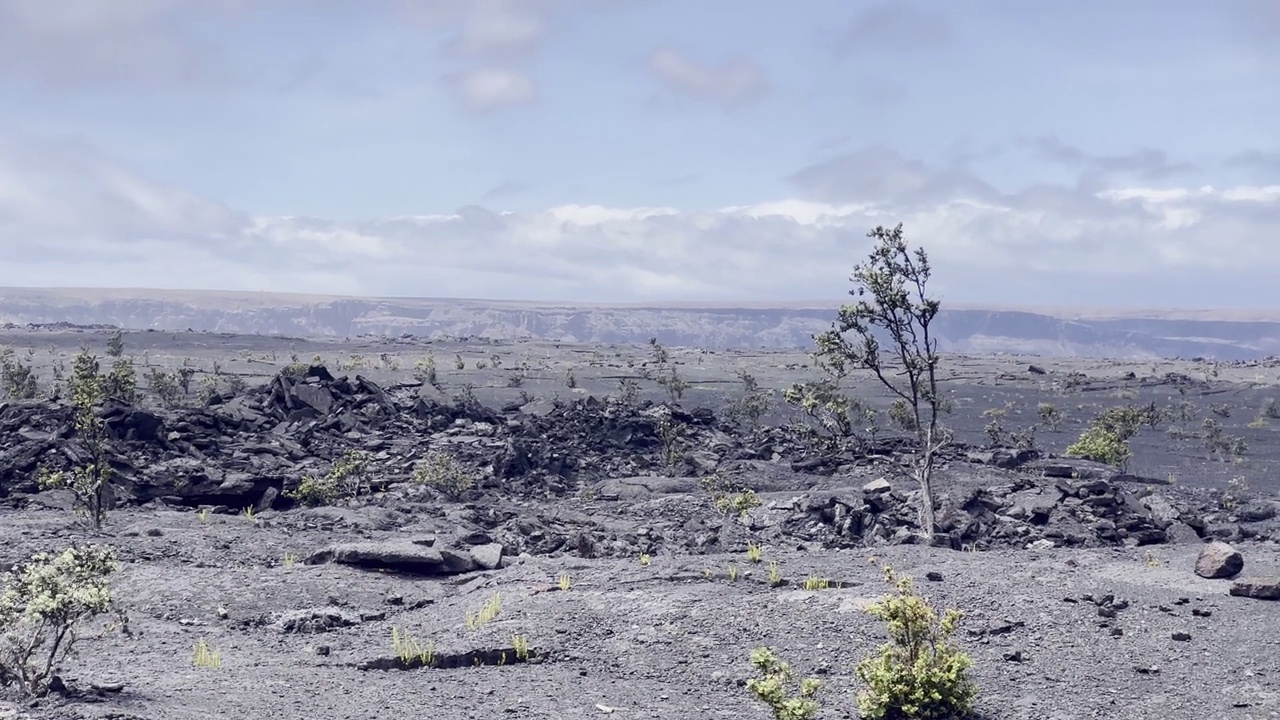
(252, 450)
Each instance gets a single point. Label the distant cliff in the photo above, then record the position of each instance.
(959, 329)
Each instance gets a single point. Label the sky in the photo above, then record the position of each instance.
(1086, 153)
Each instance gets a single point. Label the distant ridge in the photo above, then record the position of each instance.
(1227, 334)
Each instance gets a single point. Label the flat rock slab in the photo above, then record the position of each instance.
(397, 555)
(1258, 588)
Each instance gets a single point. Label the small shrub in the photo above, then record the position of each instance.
(43, 603)
(347, 478)
(752, 405)
(89, 482)
(424, 371)
(918, 674)
(1050, 416)
(443, 473)
(754, 552)
(18, 379)
(164, 385)
(1101, 445)
(771, 688)
(673, 436)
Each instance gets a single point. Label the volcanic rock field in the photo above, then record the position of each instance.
(607, 563)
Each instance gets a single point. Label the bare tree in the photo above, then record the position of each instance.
(891, 304)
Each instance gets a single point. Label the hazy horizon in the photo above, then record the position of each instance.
(642, 152)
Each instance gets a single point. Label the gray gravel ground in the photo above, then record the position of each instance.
(670, 639)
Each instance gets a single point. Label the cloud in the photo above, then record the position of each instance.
(1147, 164)
(489, 89)
(70, 216)
(879, 174)
(1258, 160)
(78, 43)
(504, 189)
(492, 41)
(897, 26)
(728, 84)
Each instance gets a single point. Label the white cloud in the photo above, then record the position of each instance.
(487, 89)
(728, 84)
(72, 217)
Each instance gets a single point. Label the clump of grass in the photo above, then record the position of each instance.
(410, 650)
(486, 613)
(645, 559)
(813, 582)
(775, 574)
(734, 573)
(755, 553)
(203, 515)
(520, 644)
(564, 582)
(205, 657)
(249, 513)
(290, 559)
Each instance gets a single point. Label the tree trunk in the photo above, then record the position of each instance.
(924, 475)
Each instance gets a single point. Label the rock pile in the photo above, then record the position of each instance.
(252, 449)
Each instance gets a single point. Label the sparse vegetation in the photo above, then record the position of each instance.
(1101, 444)
(44, 603)
(486, 614)
(444, 474)
(409, 650)
(674, 440)
(348, 477)
(813, 582)
(1050, 416)
(830, 411)
(729, 497)
(164, 385)
(206, 657)
(892, 301)
(919, 674)
(18, 379)
(88, 482)
(754, 552)
(775, 574)
(771, 688)
(424, 371)
(752, 404)
(667, 376)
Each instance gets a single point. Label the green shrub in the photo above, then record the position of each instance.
(90, 481)
(445, 474)
(347, 478)
(1101, 444)
(918, 674)
(771, 687)
(43, 602)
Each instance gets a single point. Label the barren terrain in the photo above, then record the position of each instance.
(1075, 578)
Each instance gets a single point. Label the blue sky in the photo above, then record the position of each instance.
(1094, 152)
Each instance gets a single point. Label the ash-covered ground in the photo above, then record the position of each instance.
(600, 533)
